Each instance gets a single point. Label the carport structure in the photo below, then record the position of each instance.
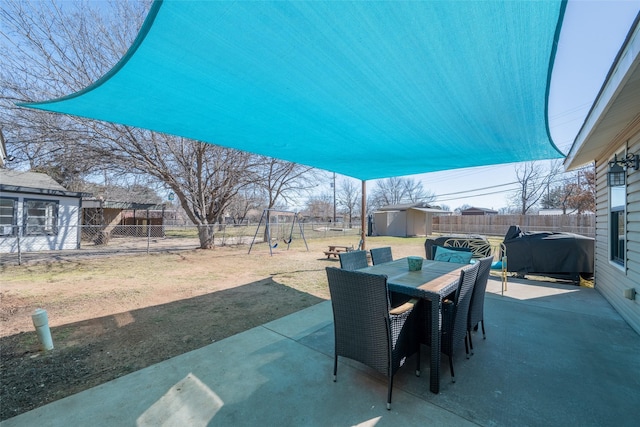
(366, 89)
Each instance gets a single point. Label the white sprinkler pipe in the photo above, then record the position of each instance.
(41, 322)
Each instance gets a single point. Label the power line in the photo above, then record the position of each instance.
(557, 180)
(474, 195)
(477, 189)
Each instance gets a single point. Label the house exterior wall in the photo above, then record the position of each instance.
(611, 279)
(67, 236)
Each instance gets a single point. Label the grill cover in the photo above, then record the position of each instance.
(548, 253)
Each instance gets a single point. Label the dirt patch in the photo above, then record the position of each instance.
(91, 352)
(112, 316)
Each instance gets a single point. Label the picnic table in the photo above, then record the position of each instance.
(334, 250)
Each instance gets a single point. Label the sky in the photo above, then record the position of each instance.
(592, 34)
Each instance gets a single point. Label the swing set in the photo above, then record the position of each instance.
(273, 242)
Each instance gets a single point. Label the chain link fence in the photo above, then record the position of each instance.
(89, 240)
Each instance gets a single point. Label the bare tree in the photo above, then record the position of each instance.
(348, 198)
(397, 190)
(51, 49)
(533, 179)
(283, 180)
(320, 207)
(247, 199)
(205, 178)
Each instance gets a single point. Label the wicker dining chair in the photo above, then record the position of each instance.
(476, 307)
(353, 260)
(455, 315)
(367, 329)
(380, 255)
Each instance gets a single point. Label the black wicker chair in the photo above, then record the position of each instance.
(455, 315)
(353, 260)
(380, 255)
(476, 308)
(366, 329)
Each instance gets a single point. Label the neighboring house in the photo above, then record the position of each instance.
(405, 220)
(478, 211)
(37, 213)
(612, 131)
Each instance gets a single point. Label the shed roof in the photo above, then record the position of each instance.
(405, 206)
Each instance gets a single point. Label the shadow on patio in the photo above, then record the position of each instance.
(554, 355)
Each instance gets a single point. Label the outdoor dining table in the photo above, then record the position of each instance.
(432, 283)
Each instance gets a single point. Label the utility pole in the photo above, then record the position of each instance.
(334, 197)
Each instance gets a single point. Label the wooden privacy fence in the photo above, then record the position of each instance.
(497, 225)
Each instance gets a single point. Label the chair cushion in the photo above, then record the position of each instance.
(451, 255)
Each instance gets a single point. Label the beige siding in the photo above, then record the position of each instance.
(380, 219)
(418, 223)
(611, 279)
(415, 223)
(391, 223)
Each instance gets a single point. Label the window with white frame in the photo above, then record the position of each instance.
(40, 217)
(8, 219)
(617, 216)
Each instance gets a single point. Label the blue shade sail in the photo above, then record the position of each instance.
(365, 89)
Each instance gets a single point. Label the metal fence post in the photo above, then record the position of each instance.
(19, 249)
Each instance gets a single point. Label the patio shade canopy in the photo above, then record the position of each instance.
(365, 89)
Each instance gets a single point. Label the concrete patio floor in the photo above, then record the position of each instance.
(555, 355)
